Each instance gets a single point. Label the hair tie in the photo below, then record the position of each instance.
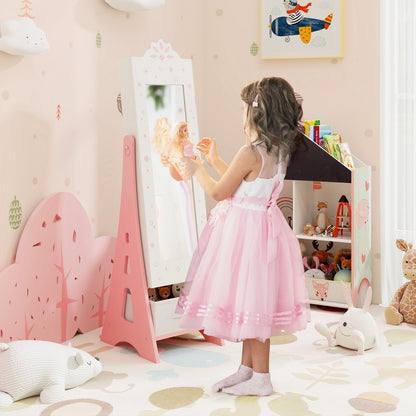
(256, 101)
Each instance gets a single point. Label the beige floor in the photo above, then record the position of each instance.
(308, 377)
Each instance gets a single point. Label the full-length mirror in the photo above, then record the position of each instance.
(169, 135)
(159, 110)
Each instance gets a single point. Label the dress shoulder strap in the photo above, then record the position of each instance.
(270, 166)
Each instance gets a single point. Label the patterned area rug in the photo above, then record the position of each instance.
(309, 378)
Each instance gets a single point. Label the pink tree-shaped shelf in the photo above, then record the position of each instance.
(59, 282)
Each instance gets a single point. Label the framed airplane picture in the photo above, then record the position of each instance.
(302, 29)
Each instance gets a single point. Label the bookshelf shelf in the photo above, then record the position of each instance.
(317, 176)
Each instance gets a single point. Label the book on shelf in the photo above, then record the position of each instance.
(309, 127)
(315, 131)
(331, 144)
(324, 130)
(339, 149)
(346, 155)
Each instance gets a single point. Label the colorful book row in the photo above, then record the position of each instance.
(332, 143)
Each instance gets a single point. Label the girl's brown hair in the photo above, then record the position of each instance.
(273, 114)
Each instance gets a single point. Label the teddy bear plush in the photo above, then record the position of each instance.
(345, 263)
(164, 292)
(176, 289)
(403, 305)
(153, 294)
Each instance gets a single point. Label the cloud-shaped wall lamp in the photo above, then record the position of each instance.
(135, 5)
(21, 36)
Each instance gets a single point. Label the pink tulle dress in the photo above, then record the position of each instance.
(246, 277)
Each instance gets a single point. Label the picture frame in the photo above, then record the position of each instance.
(293, 29)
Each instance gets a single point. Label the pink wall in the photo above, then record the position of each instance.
(81, 152)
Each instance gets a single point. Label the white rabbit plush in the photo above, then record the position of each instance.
(315, 272)
(357, 329)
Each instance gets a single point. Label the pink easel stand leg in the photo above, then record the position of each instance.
(129, 272)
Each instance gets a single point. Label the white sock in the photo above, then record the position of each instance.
(258, 385)
(243, 373)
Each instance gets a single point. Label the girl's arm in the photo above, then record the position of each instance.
(220, 166)
(246, 160)
(208, 147)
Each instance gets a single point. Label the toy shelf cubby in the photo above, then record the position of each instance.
(318, 176)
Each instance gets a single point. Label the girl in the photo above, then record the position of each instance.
(245, 281)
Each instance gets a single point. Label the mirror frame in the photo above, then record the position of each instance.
(160, 65)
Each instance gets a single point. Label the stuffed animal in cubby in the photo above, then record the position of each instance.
(31, 367)
(309, 229)
(176, 289)
(313, 272)
(321, 220)
(346, 254)
(403, 305)
(164, 292)
(328, 270)
(153, 294)
(356, 330)
(344, 270)
(345, 263)
(322, 255)
(310, 262)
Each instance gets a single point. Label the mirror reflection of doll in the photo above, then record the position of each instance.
(182, 135)
(172, 145)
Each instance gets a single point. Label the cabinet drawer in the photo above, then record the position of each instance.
(165, 320)
(326, 292)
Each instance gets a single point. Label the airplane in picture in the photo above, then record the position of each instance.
(296, 24)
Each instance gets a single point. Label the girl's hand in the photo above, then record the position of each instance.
(208, 147)
(188, 167)
(164, 159)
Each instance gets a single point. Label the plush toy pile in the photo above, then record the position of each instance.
(165, 292)
(319, 264)
(29, 368)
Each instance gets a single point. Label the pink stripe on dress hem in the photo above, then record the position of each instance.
(193, 309)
